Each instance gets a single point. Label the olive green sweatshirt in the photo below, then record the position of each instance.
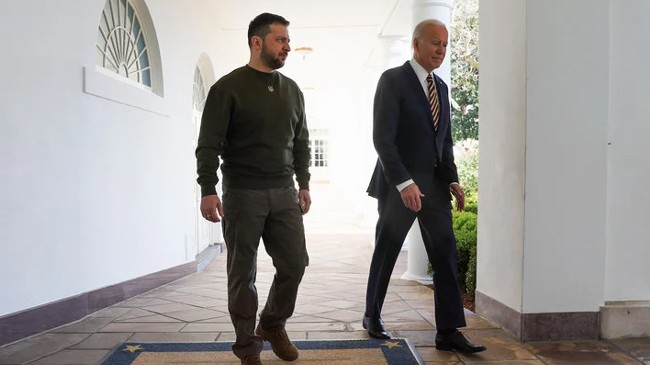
(256, 122)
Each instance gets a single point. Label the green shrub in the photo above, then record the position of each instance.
(470, 276)
(471, 203)
(466, 154)
(465, 232)
(464, 224)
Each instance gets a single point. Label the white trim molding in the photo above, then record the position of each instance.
(111, 86)
(625, 319)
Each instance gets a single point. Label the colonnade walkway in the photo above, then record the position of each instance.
(330, 306)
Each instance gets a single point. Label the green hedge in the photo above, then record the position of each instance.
(464, 224)
(465, 232)
(471, 203)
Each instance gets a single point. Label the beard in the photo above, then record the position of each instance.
(270, 59)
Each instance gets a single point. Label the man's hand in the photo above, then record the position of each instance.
(211, 208)
(412, 197)
(459, 194)
(304, 199)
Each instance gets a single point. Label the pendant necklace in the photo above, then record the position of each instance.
(271, 82)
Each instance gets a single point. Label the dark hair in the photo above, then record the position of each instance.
(261, 25)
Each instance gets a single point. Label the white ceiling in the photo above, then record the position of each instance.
(342, 33)
(307, 13)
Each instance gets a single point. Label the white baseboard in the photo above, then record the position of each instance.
(625, 319)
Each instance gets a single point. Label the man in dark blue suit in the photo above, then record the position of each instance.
(413, 178)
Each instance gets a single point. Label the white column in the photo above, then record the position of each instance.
(439, 10)
(418, 262)
(543, 223)
(417, 256)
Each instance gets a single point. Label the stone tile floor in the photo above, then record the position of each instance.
(330, 306)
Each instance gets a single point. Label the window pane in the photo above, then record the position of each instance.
(121, 46)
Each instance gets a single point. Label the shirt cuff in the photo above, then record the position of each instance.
(406, 183)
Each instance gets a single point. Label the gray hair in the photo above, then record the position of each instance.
(419, 29)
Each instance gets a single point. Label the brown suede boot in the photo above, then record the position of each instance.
(280, 343)
(251, 360)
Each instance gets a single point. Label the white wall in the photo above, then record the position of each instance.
(566, 147)
(94, 192)
(575, 83)
(501, 167)
(628, 248)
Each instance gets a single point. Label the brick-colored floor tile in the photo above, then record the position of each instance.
(584, 352)
(500, 346)
(73, 357)
(38, 346)
(99, 341)
(636, 347)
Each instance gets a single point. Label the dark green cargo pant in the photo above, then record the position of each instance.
(273, 215)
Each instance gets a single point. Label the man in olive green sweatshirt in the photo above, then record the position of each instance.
(254, 118)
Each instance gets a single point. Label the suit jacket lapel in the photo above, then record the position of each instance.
(415, 85)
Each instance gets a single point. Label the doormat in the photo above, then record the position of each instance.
(321, 352)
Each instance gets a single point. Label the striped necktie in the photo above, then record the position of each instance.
(433, 102)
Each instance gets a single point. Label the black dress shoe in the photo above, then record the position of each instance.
(457, 341)
(376, 328)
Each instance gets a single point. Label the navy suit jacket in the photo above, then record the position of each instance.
(403, 132)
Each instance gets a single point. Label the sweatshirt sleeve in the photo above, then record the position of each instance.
(212, 138)
(301, 154)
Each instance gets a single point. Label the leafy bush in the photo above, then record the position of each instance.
(464, 223)
(466, 155)
(465, 232)
(465, 69)
(471, 204)
(470, 275)
(464, 100)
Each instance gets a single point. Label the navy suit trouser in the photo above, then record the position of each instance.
(434, 219)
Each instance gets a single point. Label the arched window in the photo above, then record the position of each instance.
(127, 44)
(199, 94)
(203, 79)
(206, 232)
(121, 43)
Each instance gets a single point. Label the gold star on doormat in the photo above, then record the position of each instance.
(132, 349)
(391, 344)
